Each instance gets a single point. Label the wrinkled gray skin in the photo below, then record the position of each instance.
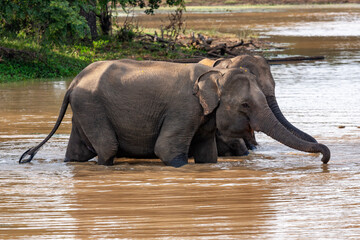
(151, 109)
(258, 66)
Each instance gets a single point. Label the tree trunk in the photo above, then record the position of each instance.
(91, 21)
(105, 20)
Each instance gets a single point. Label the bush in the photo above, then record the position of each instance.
(47, 20)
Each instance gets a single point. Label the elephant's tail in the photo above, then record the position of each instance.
(32, 151)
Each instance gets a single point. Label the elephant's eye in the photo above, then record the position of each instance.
(245, 105)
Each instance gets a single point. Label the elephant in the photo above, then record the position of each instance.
(227, 146)
(258, 66)
(128, 108)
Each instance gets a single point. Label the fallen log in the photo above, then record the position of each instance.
(11, 53)
(152, 38)
(236, 45)
(214, 55)
(217, 51)
(271, 61)
(187, 60)
(230, 53)
(295, 59)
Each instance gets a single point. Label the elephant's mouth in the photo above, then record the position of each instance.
(248, 136)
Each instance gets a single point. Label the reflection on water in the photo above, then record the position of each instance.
(274, 193)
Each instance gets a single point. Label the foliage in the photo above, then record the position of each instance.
(105, 14)
(64, 21)
(129, 28)
(68, 60)
(100, 44)
(47, 63)
(46, 20)
(58, 21)
(149, 5)
(55, 37)
(175, 26)
(126, 33)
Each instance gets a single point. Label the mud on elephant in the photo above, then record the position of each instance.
(127, 108)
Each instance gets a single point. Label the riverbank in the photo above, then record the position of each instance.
(24, 59)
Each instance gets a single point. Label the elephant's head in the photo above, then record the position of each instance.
(239, 103)
(258, 66)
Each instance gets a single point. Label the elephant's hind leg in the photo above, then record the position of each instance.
(102, 137)
(77, 149)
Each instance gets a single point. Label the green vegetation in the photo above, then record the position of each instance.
(55, 38)
(231, 2)
(58, 21)
(31, 60)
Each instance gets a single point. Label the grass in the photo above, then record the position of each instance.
(39, 62)
(231, 2)
(35, 61)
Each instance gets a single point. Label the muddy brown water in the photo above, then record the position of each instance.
(274, 193)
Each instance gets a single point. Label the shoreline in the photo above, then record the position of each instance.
(243, 8)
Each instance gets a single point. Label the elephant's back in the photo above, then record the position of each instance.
(129, 72)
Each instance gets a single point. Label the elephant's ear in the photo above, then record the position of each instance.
(207, 89)
(222, 63)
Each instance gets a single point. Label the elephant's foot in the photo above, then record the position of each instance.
(251, 146)
(245, 153)
(179, 160)
(106, 162)
(74, 160)
(202, 160)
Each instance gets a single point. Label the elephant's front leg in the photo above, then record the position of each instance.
(204, 149)
(172, 145)
(203, 146)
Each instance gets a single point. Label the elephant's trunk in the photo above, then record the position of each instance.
(278, 114)
(277, 131)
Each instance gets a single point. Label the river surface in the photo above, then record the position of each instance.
(274, 193)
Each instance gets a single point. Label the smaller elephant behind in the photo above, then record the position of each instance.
(228, 146)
